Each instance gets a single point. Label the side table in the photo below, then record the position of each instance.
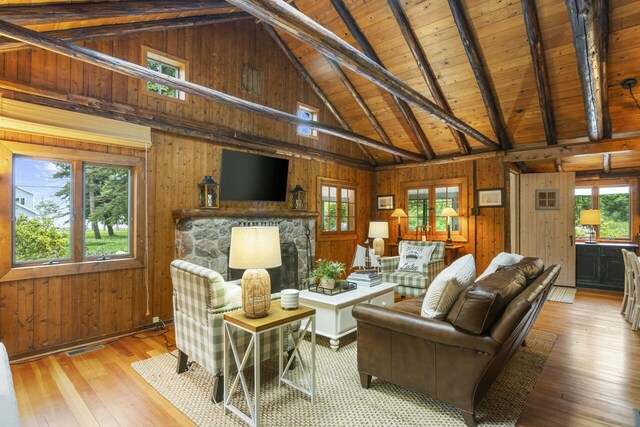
(451, 253)
(278, 318)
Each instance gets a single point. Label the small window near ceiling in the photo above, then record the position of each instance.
(169, 66)
(308, 113)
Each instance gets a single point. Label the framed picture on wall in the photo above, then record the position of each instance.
(386, 203)
(490, 198)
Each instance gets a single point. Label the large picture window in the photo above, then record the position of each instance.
(614, 203)
(338, 208)
(70, 211)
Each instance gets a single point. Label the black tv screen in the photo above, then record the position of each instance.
(251, 177)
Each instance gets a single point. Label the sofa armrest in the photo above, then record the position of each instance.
(436, 331)
(389, 264)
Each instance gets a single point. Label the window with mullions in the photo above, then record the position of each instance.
(614, 203)
(418, 208)
(43, 225)
(447, 197)
(338, 209)
(308, 113)
(169, 67)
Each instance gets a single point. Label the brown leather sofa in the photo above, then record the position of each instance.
(454, 360)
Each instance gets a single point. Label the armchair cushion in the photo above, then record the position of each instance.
(413, 257)
(445, 288)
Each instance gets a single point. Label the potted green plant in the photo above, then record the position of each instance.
(326, 272)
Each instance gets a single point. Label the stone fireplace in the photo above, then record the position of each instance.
(203, 237)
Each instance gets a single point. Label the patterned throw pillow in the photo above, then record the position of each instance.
(445, 288)
(414, 257)
(503, 259)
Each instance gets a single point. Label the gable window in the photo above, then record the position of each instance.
(614, 203)
(308, 113)
(169, 66)
(426, 200)
(338, 207)
(81, 212)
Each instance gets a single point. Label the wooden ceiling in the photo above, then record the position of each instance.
(496, 28)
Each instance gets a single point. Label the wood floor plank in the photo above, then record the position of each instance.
(592, 377)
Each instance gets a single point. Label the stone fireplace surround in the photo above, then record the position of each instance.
(203, 236)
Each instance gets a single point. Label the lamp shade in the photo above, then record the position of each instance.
(590, 217)
(448, 212)
(379, 229)
(255, 247)
(399, 213)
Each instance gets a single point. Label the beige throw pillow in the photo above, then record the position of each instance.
(503, 259)
(445, 288)
(414, 257)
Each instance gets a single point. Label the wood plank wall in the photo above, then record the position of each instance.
(43, 314)
(487, 234)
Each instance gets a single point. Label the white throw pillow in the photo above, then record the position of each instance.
(234, 292)
(503, 259)
(414, 257)
(446, 287)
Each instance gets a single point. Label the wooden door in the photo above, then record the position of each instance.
(547, 227)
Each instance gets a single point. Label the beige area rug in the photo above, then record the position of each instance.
(562, 294)
(340, 401)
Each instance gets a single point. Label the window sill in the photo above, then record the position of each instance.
(40, 271)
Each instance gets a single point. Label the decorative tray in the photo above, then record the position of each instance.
(341, 286)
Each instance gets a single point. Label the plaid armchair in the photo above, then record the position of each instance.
(409, 283)
(200, 299)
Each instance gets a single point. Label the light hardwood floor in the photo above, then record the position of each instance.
(591, 378)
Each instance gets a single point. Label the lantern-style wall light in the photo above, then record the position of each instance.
(298, 199)
(208, 193)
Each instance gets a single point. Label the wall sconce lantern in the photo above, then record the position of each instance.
(208, 189)
(298, 199)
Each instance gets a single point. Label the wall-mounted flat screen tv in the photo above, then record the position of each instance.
(251, 177)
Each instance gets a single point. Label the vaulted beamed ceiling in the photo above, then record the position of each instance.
(498, 46)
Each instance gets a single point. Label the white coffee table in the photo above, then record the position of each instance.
(333, 312)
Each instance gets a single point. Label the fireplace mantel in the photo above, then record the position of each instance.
(238, 213)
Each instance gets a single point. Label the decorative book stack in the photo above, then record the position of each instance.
(366, 278)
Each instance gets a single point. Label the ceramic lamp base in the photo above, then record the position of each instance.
(378, 246)
(256, 292)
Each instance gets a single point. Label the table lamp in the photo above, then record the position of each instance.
(590, 217)
(448, 213)
(399, 213)
(378, 230)
(256, 249)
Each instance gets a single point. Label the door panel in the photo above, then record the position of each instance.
(549, 234)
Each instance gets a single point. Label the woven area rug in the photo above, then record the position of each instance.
(562, 294)
(340, 401)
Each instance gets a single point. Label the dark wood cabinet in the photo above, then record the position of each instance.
(601, 265)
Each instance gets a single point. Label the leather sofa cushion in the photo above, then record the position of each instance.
(531, 267)
(479, 306)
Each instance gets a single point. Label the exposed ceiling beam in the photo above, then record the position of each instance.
(615, 173)
(134, 70)
(427, 72)
(570, 150)
(421, 141)
(286, 18)
(316, 88)
(558, 165)
(590, 25)
(168, 123)
(482, 78)
(53, 13)
(606, 163)
(532, 25)
(91, 33)
(361, 103)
